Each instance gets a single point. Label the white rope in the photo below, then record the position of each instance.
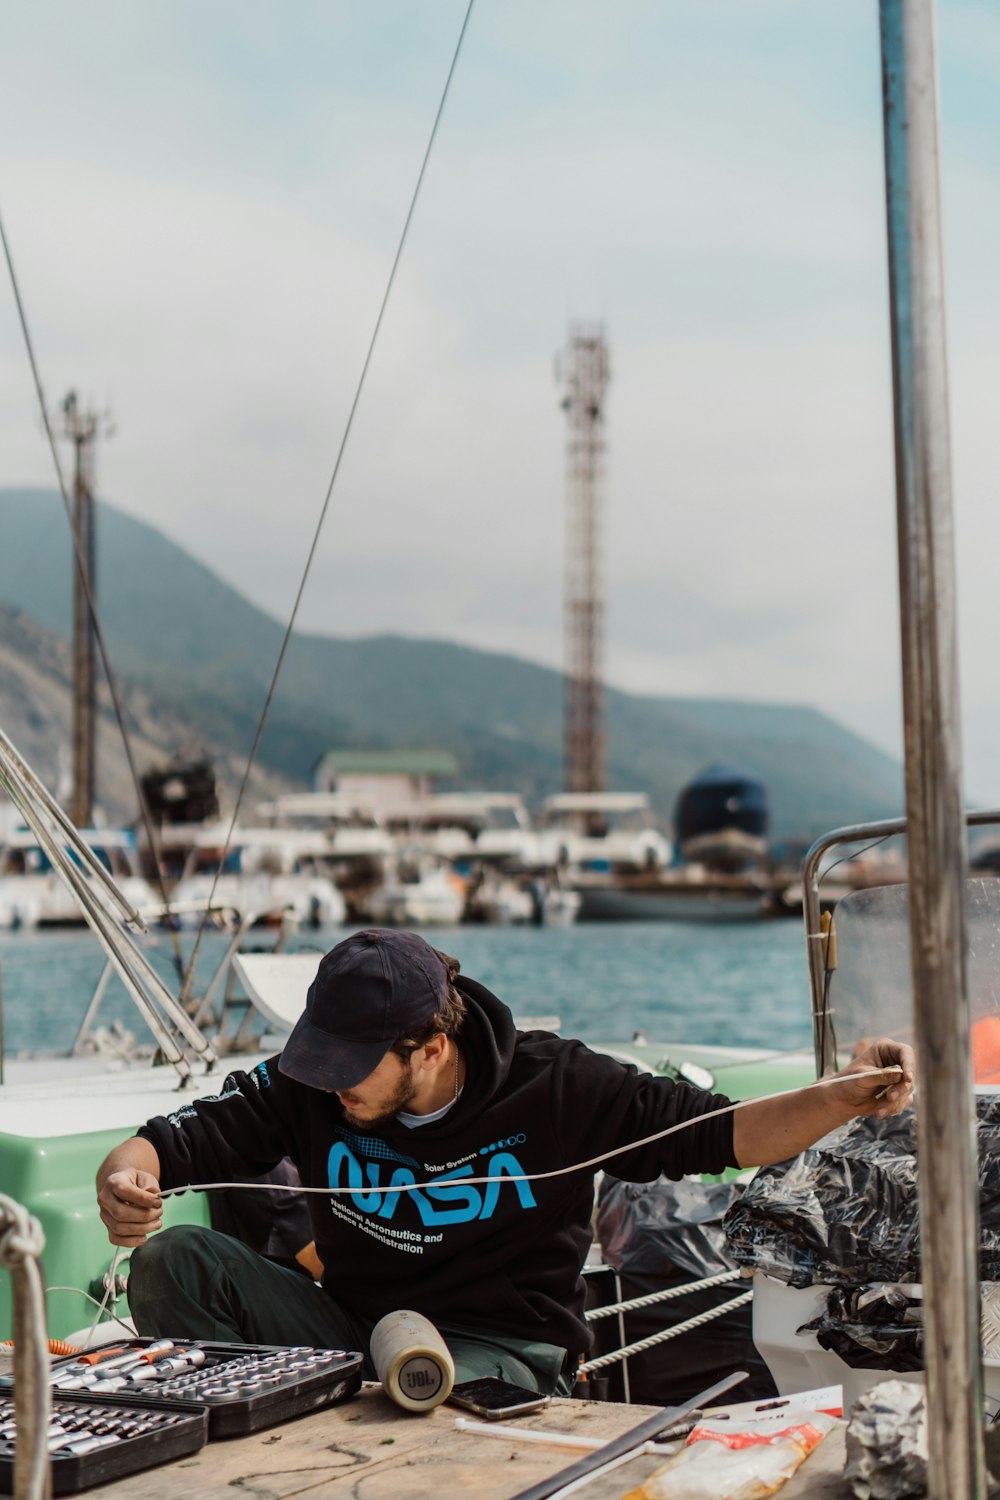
(110, 1295)
(664, 1334)
(579, 1166)
(21, 1245)
(663, 1296)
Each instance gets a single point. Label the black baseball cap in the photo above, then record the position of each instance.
(371, 990)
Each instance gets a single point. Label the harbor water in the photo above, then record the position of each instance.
(740, 985)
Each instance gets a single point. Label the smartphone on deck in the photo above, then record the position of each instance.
(495, 1399)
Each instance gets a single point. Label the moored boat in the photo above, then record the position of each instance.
(31, 893)
(418, 890)
(264, 872)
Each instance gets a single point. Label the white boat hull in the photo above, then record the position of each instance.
(313, 900)
(409, 906)
(43, 900)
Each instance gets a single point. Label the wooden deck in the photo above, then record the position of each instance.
(368, 1449)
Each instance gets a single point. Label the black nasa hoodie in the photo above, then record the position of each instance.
(498, 1254)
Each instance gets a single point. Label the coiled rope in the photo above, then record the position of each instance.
(21, 1244)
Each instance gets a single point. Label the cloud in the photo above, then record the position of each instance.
(203, 208)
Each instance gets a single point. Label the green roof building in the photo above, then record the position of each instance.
(384, 779)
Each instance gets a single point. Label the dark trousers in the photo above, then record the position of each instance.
(195, 1283)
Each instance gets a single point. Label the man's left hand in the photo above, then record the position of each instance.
(883, 1094)
(773, 1129)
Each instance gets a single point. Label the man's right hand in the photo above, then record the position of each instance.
(128, 1192)
(131, 1206)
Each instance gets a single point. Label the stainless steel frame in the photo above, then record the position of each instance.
(824, 1029)
(105, 909)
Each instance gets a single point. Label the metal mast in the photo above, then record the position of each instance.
(585, 378)
(81, 428)
(945, 1120)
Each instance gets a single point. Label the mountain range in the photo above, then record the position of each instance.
(198, 657)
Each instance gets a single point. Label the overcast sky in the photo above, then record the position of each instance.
(203, 201)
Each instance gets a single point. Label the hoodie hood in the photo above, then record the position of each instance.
(487, 1039)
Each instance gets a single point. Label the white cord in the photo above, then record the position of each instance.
(102, 1305)
(580, 1166)
(529, 1434)
(81, 1293)
(510, 1434)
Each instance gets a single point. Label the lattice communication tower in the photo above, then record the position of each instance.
(584, 376)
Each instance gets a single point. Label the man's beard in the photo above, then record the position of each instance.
(401, 1096)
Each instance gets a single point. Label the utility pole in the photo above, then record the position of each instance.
(82, 428)
(584, 378)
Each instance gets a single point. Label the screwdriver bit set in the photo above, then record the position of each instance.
(145, 1401)
(94, 1443)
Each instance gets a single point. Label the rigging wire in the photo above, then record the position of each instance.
(778, 1055)
(329, 491)
(88, 590)
(855, 854)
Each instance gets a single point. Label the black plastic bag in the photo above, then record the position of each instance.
(872, 1328)
(666, 1234)
(845, 1212)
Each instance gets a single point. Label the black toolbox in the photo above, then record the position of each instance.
(116, 1437)
(245, 1387)
(220, 1391)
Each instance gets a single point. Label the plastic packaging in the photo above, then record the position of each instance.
(719, 1464)
(664, 1234)
(845, 1211)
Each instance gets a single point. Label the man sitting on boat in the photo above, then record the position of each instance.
(403, 1074)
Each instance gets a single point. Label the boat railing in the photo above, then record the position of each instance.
(206, 1011)
(820, 944)
(662, 1335)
